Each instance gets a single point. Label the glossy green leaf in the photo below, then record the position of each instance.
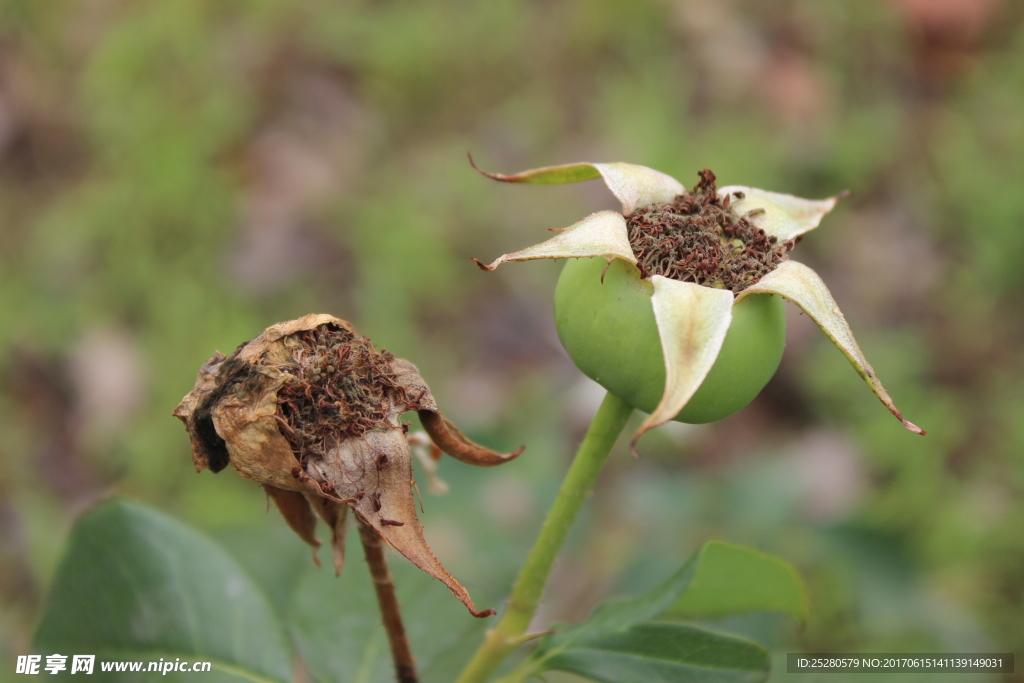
(618, 642)
(617, 615)
(136, 585)
(336, 624)
(731, 579)
(665, 653)
(611, 620)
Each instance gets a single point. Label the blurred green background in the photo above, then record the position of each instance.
(176, 176)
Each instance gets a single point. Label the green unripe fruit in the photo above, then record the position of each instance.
(610, 333)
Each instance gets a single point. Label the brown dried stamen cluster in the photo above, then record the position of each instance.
(697, 239)
(342, 388)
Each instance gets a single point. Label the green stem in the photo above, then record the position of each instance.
(526, 593)
(519, 674)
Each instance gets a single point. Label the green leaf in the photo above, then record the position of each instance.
(665, 653)
(619, 614)
(732, 579)
(336, 623)
(136, 585)
(618, 642)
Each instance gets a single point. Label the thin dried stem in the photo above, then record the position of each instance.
(373, 546)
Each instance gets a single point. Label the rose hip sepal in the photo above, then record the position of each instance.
(310, 410)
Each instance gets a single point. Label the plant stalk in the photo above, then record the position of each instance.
(604, 430)
(373, 546)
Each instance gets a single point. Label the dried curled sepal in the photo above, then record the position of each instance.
(782, 216)
(634, 186)
(334, 514)
(296, 511)
(374, 476)
(442, 432)
(692, 322)
(428, 453)
(453, 442)
(805, 288)
(599, 234)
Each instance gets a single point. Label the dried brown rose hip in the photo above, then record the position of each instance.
(310, 410)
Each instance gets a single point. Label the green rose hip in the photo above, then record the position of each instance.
(610, 333)
(675, 304)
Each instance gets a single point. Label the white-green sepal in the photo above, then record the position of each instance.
(635, 186)
(599, 234)
(805, 288)
(780, 215)
(692, 322)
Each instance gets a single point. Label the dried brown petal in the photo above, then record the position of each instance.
(208, 448)
(245, 418)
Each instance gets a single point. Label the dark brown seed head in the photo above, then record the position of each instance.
(342, 387)
(697, 239)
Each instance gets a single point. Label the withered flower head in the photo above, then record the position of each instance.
(310, 410)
